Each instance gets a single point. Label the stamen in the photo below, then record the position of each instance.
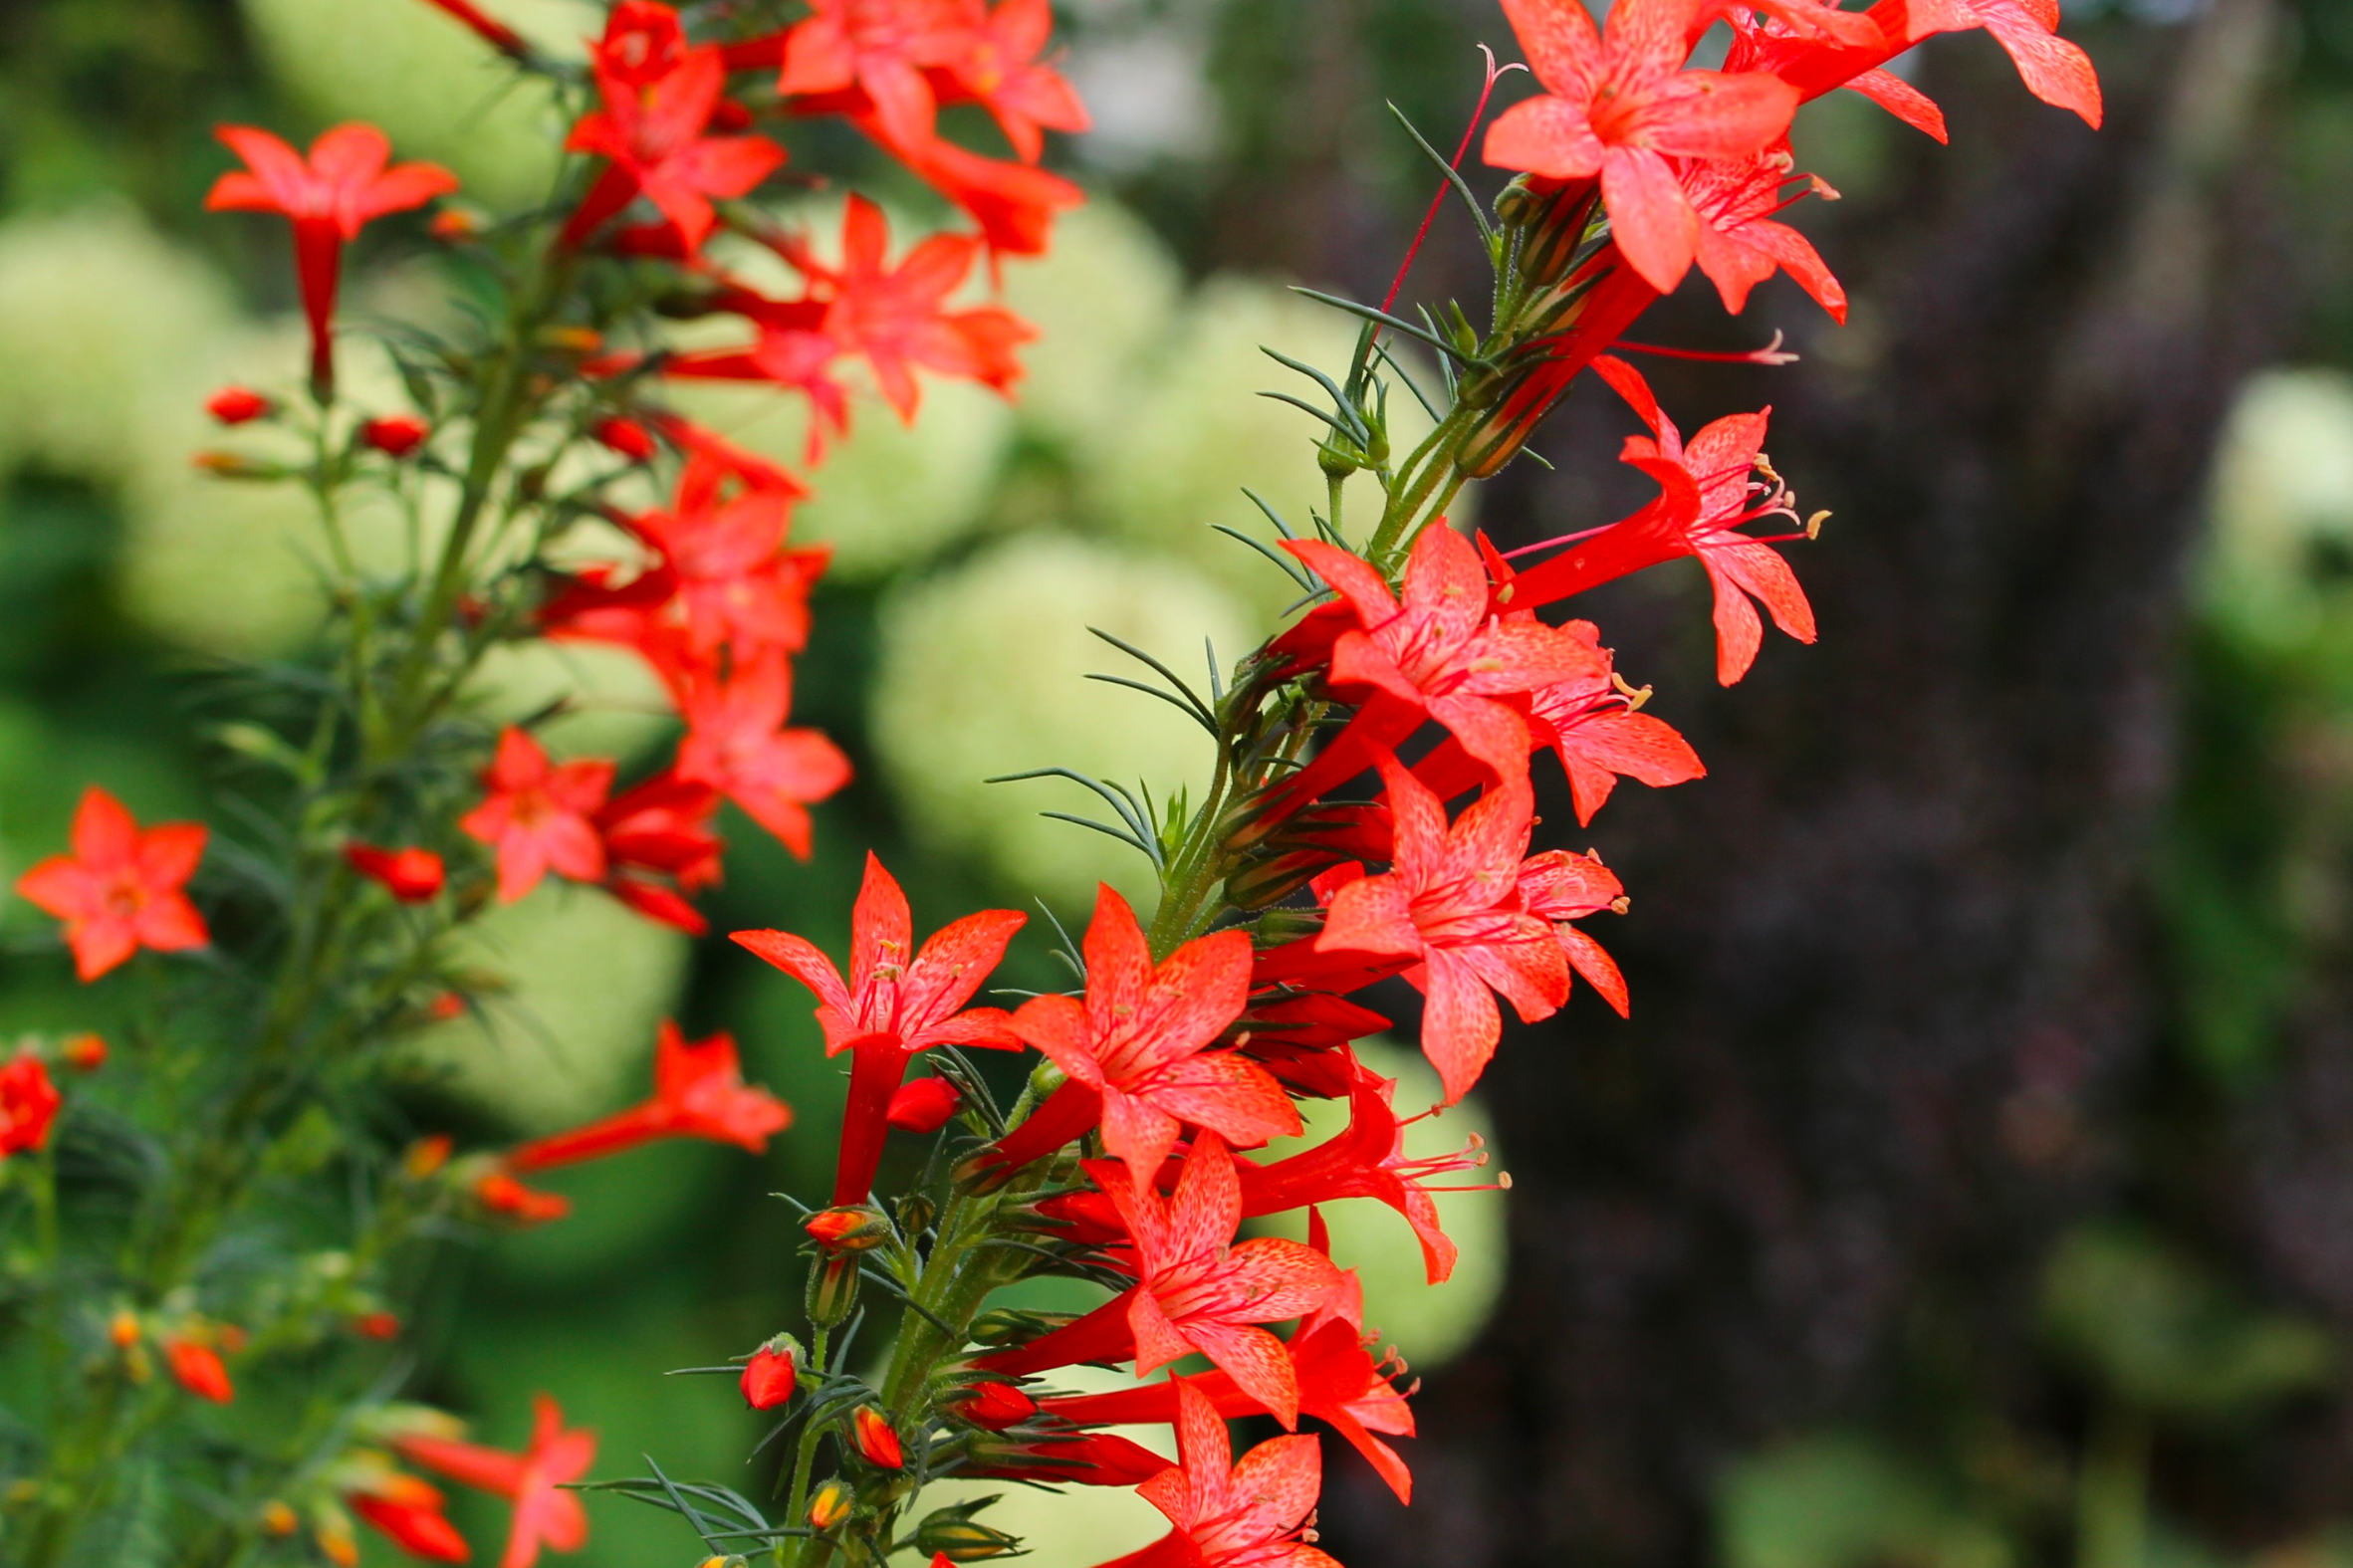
(1814, 524)
(1635, 696)
(1771, 353)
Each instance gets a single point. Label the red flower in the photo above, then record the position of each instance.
(897, 316)
(119, 890)
(197, 1368)
(343, 186)
(769, 1378)
(1339, 1383)
(1062, 1459)
(1014, 203)
(396, 435)
(29, 1104)
(661, 825)
(923, 1106)
(737, 585)
(1196, 1290)
(83, 1053)
(1250, 1514)
(736, 742)
(1618, 105)
(532, 1480)
(377, 1325)
(871, 1429)
(410, 875)
(1720, 460)
(509, 1198)
(627, 437)
(1737, 242)
(1561, 886)
(2053, 70)
(789, 352)
(408, 1514)
(698, 1093)
(1440, 654)
(659, 95)
(537, 815)
(880, 48)
(1451, 903)
(1368, 1160)
(997, 65)
(1136, 1049)
(235, 405)
(893, 1004)
(993, 1406)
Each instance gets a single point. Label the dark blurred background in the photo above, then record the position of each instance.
(1973, 1185)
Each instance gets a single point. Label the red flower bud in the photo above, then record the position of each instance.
(452, 224)
(445, 1008)
(84, 1052)
(198, 1370)
(994, 1406)
(396, 435)
(769, 1378)
(234, 406)
(426, 1156)
(502, 1195)
(830, 1506)
(876, 1438)
(409, 875)
(377, 1325)
(923, 1106)
(627, 437)
(852, 1229)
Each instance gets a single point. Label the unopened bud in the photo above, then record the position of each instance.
(830, 1506)
(425, 1156)
(876, 1441)
(627, 437)
(278, 1519)
(856, 1228)
(949, 1533)
(82, 1053)
(452, 224)
(396, 435)
(1016, 1325)
(124, 1330)
(923, 1106)
(994, 1406)
(377, 1325)
(235, 405)
(769, 1375)
(832, 1291)
(235, 465)
(915, 1213)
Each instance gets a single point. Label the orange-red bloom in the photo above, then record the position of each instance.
(897, 1001)
(698, 1093)
(119, 890)
(29, 1104)
(738, 743)
(537, 815)
(1451, 903)
(1136, 1049)
(408, 1514)
(410, 875)
(1247, 1514)
(343, 186)
(880, 48)
(1561, 886)
(197, 1367)
(509, 1198)
(1618, 104)
(769, 1378)
(659, 95)
(533, 1480)
(997, 65)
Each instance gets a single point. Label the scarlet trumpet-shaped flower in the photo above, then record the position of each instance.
(1736, 240)
(1451, 903)
(659, 95)
(880, 48)
(119, 890)
(1136, 1049)
(329, 197)
(1561, 886)
(2052, 69)
(1618, 104)
(533, 1480)
(495, 33)
(1368, 1160)
(1227, 1514)
(410, 875)
(29, 1104)
(1720, 460)
(736, 585)
(1196, 1289)
(1439, 653)
(737, 742)
(896, 1002)
(537, 815)
(997, 65)
(897, 316)
(661, 825)
(698, 1093)
(1340, 1384)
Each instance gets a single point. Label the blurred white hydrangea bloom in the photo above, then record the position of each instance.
(1106, 299)
(982, 672)
(1199, 433)
(433, 87)
(91, 304)
(551, 1051)
(2279, 561)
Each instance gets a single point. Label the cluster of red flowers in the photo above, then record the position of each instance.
(1165, 1074)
